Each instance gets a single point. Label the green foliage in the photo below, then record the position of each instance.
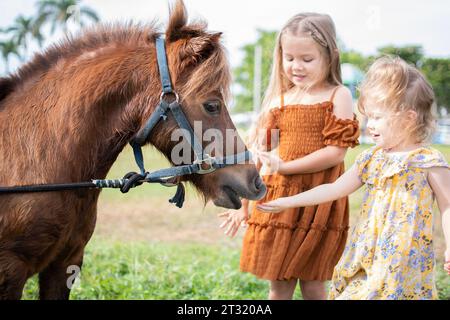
(412, 54)
(355, 58)
(8, 48)
(244, 74)
(161, 271)
(437, 71)
(58, 12)
(25, 30)
(442, 282)
(22, 32)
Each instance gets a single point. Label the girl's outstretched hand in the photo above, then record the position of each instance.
(233, 220)
(447, 261)
(270, 160)
(275, 206)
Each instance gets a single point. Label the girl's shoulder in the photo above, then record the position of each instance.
(367, 164)
(274, 104)
(422, 157)
(375, 164)
(342, 100)
(427, 157)
(367, 155)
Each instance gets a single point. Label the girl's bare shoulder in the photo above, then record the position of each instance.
(343, 103)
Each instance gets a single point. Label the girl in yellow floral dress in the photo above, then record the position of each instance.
(389, 254)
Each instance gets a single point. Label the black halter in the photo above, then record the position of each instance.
(203, 163)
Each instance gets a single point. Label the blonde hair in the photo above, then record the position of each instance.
(321, 28)
(398, 87)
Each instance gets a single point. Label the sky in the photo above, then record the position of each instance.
(361, 25)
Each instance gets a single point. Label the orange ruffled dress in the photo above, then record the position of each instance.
(300, 243)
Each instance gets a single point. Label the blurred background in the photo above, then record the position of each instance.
(144, 247)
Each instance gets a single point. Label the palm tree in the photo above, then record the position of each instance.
(7, 49)
(59, 11)
(23, 31)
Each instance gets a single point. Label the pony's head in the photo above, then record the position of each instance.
(201, 77)
(93, 93)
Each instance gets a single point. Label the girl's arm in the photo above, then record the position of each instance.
(324, 158)
(439, 179)
(316, 161)
(346, 184)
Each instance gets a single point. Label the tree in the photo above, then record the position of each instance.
(437, 71)
(59, 12)
(411, 54)
(245, 72)
(356, 59)
(23, 31)
(8, 48)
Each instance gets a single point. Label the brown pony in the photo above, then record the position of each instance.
(65, 117)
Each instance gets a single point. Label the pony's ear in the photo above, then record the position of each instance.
(178, 27)
(177, 20)
(197, 49)
(193, 43)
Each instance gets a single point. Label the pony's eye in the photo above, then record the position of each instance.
(212, 107)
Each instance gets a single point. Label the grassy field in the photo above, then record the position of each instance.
(146, 248)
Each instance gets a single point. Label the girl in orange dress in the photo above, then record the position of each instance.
(312, 113)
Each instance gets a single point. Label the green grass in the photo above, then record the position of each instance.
(180, 269)
(171, 271)
(161, 271)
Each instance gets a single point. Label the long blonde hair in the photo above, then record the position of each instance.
(319, 27)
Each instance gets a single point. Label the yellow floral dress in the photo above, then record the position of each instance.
(389, 254)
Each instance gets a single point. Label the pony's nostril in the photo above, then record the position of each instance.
(258, 183)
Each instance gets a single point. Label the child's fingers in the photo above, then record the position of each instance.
(263, 155)
(267, 208)
(233, 231)
(264, 158)
(447, 266)
(223, 214)
(223, 224)
(227, 215)
(447, 270)
(264, 207)
(232, 228)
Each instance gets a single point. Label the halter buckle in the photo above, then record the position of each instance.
(164, 94)
(206, 165)
(168, 183)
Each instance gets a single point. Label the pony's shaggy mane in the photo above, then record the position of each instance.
(73, 46)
